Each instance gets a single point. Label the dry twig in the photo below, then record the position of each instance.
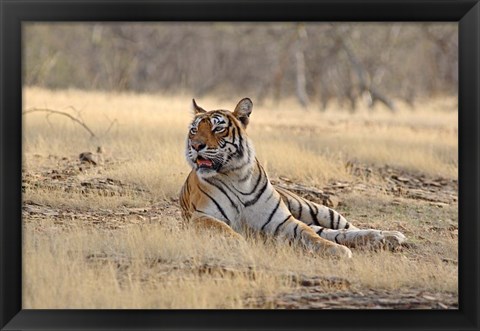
(57, 112)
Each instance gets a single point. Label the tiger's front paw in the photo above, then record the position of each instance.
(375, 239)
(338, 251)
(393, 239)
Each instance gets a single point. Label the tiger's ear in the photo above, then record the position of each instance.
(196, 108)
(243, 110)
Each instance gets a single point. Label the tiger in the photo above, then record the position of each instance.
(228, 190)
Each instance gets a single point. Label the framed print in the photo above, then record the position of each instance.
(227, 165)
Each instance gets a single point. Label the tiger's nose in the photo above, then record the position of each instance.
(198, 146)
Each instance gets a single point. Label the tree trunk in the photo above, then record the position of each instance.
(300, 65)
(365, 85)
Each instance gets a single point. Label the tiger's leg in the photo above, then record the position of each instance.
(361, 238)
(312, 213)
(299, 231)
(332, 226)
(203, 221)
(280, 223)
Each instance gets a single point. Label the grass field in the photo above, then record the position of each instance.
(111, 236)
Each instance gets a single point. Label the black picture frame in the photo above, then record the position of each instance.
(14, 12)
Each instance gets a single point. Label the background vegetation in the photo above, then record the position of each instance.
(315, 62)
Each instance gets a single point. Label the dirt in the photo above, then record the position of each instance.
(396, 182)
(67, 174)
(316, 297)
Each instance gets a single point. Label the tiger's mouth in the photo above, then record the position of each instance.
(203, 163)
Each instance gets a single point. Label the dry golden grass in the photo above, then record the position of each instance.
(152, 267)
(61, 270)
(156, 264)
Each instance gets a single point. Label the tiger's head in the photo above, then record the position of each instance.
(217, 141)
